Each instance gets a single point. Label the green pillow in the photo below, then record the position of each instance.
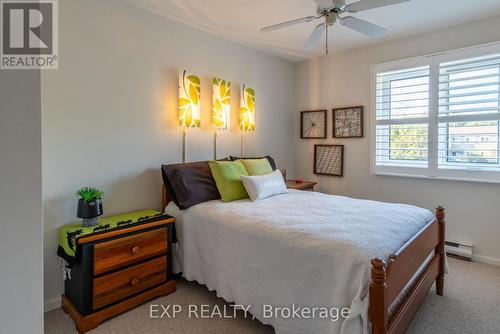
(257, 166)
(227, 176)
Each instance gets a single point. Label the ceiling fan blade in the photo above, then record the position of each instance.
(315, 36)
(363, 27)
(370, 4)
(324, 4)
(339, 3)
(289, 23)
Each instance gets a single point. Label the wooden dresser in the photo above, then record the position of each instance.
(118, 270)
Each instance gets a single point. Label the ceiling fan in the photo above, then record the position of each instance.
(330, 11)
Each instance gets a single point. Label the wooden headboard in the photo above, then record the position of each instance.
(164, 198)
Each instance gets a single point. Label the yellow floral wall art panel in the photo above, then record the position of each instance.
(247, 109)
(221, 104)
(189, 100)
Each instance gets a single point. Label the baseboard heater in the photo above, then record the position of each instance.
(458, 249)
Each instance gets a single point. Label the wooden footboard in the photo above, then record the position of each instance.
(389, 279)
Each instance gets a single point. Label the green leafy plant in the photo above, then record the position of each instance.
(89, 194)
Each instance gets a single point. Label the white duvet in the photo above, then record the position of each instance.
(302, 248)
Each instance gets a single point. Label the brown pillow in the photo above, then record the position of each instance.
(190, 183)
(269, 158)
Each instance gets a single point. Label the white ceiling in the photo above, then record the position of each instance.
(240, 21)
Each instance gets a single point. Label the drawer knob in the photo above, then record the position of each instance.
(135, 250)
(134, 281)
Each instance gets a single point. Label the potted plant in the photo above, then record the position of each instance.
(89, 205)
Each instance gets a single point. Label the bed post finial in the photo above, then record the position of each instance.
(378, 297)
(378, 272)
(440, 215)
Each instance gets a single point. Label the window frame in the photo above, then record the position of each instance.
(470, 173)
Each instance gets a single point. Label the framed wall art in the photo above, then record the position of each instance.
(329, 160)
(313, 124)
(348, 122)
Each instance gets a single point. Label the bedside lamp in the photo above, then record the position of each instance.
(221, 107)
(189, 105)
(247, 112)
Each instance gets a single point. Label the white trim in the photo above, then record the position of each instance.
(486, 260)
(51, 305)
(437, 177)
(433, 125)
(373, 118)
(441, 53)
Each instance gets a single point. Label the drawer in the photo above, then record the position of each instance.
(121, 284)
(110, 255)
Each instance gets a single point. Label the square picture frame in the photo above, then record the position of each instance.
(313, 124)
(348, 122)
(329, 160)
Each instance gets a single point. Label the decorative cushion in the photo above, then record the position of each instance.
(257, 166)
(263, 186)
(190, 183)
(269, 158)
(227, 175)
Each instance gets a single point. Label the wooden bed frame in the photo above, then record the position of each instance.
(388, 279)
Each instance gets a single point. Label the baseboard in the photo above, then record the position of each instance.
(51, 305)
(486, 260)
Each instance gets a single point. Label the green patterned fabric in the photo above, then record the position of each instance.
(227, 176)
(68, 234)
(257, 166)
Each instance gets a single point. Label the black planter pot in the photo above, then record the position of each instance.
(89, 211)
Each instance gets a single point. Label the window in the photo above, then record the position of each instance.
(402, 104)
(439, 116)
(468, 113)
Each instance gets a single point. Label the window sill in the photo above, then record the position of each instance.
(440, 177)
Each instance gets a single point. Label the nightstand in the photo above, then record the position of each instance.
(117, 270)
(305, 185)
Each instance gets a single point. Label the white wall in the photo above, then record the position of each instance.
(343, 79)
(20, 203)
(109, 112)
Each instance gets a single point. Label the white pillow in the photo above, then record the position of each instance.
(263, 186)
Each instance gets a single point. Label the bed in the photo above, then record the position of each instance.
(377, 259)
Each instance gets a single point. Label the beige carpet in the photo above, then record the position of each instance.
(471, 305)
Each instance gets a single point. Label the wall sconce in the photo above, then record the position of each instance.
(189, 105)
(247, 112)
(221, 107)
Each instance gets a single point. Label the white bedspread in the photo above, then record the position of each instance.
(302, 248)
